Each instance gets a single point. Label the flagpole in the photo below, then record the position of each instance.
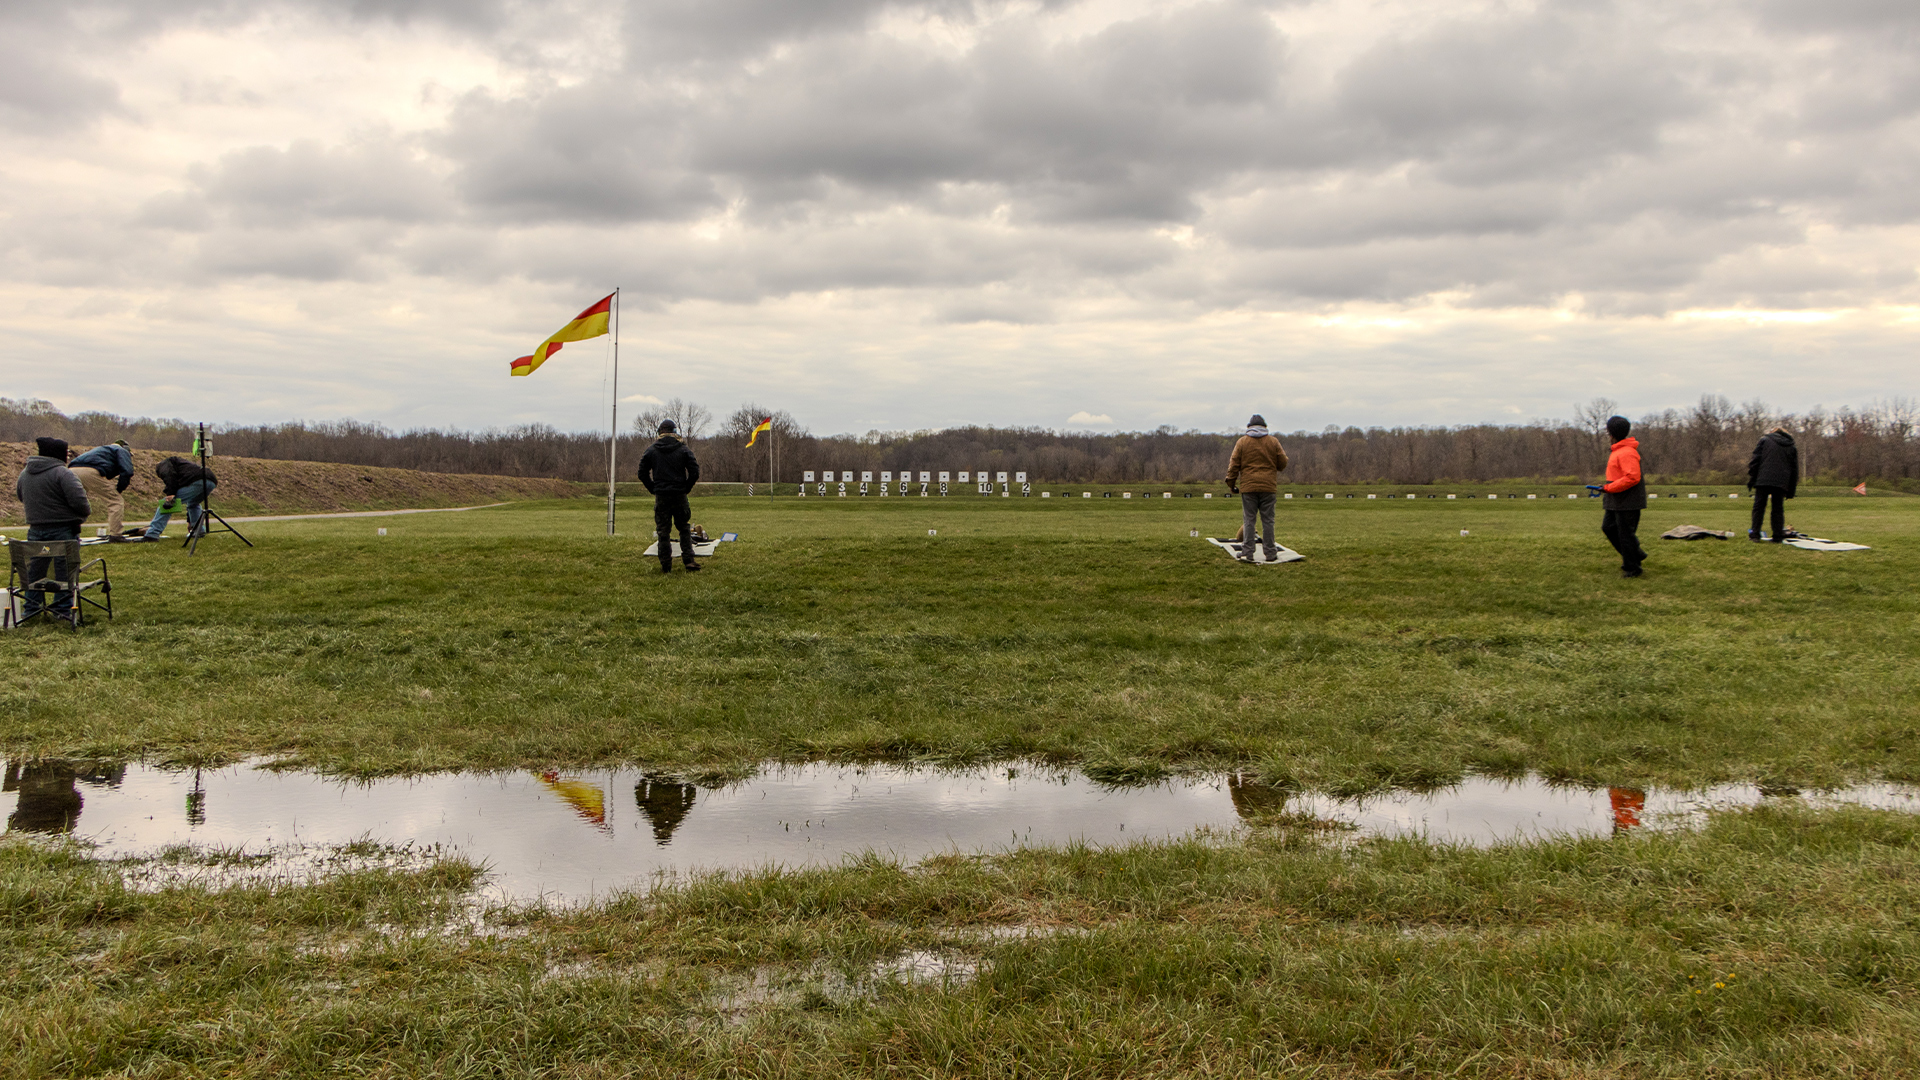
(613, 434)
(769, 460)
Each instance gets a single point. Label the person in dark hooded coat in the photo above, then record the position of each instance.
(669, 470)
(1773, 472)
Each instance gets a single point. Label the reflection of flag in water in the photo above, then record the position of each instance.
(587, 800)
(1627, 807)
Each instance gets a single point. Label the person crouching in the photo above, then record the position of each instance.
(105, 471)
(182, 482)
(669, 471)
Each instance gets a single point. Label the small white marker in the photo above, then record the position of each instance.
(1463, 532)
(383, 532)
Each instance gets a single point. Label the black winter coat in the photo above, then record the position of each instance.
(1775, 463)
(177, 472)
(50, 493)
(669, 467)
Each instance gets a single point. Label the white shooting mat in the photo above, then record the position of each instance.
(1283, 552)
(1814, 543)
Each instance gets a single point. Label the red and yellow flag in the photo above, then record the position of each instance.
(590, 323)
(765, 425)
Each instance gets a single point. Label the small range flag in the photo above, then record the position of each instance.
(1861, 488)
(590, 323)
(765, 425)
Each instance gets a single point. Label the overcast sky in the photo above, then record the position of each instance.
(908, 215)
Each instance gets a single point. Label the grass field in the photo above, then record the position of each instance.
(1091, 631)
(1778, 941)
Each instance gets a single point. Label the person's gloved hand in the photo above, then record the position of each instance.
(1233, 488)
(172, 505)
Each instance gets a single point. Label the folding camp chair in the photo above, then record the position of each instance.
(54, 566)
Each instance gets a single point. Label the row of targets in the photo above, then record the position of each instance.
(903, 483)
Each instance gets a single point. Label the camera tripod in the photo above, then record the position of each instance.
(194, 533)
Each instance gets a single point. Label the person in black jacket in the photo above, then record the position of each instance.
(55, 505)
(181, 482)
(669, 471)
(1773, 472)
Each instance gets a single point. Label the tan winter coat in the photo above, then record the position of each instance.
(1256, 464)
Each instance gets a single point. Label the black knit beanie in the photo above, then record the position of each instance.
(1257, 421)
(51, 447)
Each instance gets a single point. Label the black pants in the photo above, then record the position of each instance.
(1621, 527)
(37, 569)
(1779, 509)
(671, 512)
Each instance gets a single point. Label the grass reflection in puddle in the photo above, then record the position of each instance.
(564, 837)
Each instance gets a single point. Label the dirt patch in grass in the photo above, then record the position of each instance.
(258, 485)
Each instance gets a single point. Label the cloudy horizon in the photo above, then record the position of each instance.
(916, 215)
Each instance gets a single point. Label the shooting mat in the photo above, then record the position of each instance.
(1232, 547)
(1814, 543)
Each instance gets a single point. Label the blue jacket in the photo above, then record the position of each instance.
(110, 461)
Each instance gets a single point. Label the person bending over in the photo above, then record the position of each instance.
(1254, 473)
(669, 471)
(95, 468)
(1773, 473)
(1623, 496)
(55, 505)
(182, 482)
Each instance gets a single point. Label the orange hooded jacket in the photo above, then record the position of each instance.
(1623, 465)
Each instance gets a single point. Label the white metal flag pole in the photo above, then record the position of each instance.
(613, 434)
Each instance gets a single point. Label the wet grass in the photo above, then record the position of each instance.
(1088, 631)
(1774, 942)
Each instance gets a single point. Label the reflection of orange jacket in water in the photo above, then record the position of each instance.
(1627, 807)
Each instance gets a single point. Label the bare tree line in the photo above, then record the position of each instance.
(1708, 443)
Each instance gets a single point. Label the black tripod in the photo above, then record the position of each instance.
(194, 533)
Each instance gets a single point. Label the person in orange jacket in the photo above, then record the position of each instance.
(1623, 496)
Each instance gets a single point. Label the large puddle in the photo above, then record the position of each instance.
(570, 836)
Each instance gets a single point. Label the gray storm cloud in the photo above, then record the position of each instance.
(1006, 158)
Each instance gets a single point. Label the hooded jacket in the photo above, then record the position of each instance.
(1775, 463)
(177, 472)
(1256, 463)
(1625, 488)
(111, 461)
(669, 467)
(51, 494)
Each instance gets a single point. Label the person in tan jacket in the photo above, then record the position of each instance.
(1254, 474)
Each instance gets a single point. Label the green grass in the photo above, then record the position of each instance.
(1775, 942)
(1089, 631)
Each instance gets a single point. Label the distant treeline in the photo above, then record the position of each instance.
(1708, 443)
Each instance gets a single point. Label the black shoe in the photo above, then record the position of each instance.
(1632, 572)
(116, 538)
(1753, 536)
(692, 566)
(666, 568)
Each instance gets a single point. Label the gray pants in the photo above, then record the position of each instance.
(1256, 504)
